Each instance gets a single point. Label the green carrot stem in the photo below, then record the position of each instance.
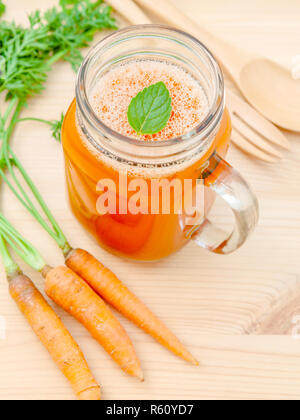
(12, 103)
(35, 119)
(6, 155)
(10, 266)
(60, 237)
(32, 210)
(18, 103)
(56, 57)
(29, 254)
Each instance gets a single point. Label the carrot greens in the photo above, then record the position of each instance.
(55, 125)
(59, 33)
(28, 55)
(2, 8)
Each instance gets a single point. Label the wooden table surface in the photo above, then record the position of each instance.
(236, 313)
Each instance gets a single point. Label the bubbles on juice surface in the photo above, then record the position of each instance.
(111, 97)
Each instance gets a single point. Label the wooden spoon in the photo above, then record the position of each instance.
(269, 87)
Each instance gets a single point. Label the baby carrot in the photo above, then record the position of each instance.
(55, 337)
(76, 297)
(113, 291)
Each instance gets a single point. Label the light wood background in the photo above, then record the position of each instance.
(224, 308)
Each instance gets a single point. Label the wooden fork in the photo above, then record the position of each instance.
(252, 133)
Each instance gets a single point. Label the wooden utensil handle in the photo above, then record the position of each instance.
(130, 11)
(232, 58)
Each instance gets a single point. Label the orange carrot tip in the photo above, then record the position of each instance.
(106, 284)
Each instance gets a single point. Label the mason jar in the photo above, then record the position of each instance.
(94, 153)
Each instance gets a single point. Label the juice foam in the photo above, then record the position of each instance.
(111, 96)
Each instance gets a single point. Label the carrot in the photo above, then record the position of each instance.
(113, 291)
(55, 337)
(76, 297)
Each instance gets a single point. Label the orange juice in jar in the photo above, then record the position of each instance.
(110, 166)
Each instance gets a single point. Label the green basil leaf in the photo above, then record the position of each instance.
(150, 111)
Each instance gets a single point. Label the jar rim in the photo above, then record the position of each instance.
(207, 126)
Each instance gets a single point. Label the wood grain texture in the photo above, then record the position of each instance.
(213, 303)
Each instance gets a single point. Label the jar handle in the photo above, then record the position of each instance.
(227, 183)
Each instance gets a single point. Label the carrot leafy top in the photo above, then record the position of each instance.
(27, 54)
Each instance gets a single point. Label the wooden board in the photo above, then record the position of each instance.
(224, 308)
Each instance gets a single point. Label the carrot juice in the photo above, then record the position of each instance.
(100, 144)
(141, 236)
